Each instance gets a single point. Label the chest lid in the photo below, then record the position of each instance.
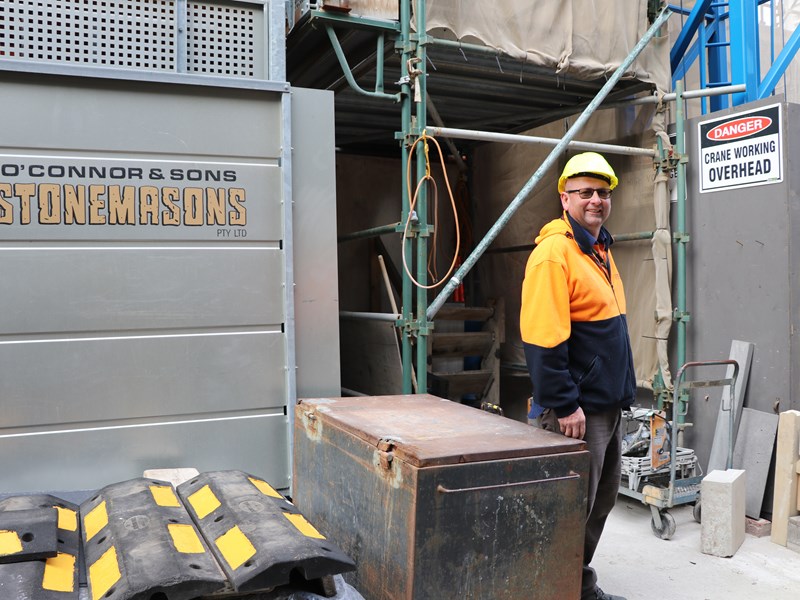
(424, 430)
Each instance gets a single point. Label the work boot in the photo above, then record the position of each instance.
(601, 595)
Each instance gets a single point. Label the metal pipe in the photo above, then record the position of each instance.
(681, 250)
(471, 47)
(368, 233)
(633, 237)
(456, 279)
(337, 48)
(691, 94)
(368, 316)
(361, 22)
(618, 237)
(405, 122)
(379, 63)
(423, 166)
(514, 138)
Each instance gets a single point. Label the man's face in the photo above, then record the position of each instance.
(591, 213)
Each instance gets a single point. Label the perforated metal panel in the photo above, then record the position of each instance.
(220, 38)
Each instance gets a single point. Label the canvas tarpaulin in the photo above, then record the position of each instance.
(587, 39)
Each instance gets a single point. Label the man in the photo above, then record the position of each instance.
(575, 336)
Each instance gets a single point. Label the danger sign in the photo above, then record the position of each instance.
(741, 150)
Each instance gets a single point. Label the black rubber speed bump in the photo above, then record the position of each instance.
(55, 578)
(27, 534)
(140, 543)
(259, 538)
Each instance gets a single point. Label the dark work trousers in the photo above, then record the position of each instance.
(604, 443)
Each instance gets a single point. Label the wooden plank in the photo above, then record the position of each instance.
(462, 344)
(491, 361)
(457, 312)
(784, 505)
(753, 453)
(741, 352)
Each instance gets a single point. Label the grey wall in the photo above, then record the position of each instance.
(742, 281)
(134, 345)
(316, 275)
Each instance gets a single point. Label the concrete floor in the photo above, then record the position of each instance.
(632, 562)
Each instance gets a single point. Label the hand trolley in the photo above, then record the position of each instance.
(662, 483)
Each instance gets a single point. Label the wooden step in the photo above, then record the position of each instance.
(456, 312)
(475, 343)
(462, 382)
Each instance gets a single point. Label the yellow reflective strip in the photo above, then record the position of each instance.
(185, 539)
(164, 495)
(59, 573)
(67, 519)
(9, 543)
(95, 520)
(264, 488)
(235, 547)
(104, 573)
(303, 526)
(204, 502)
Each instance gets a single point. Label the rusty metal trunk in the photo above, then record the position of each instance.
(433, 499)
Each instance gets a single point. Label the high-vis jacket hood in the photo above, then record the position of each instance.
(573, 324)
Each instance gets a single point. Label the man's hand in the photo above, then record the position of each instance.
(574, 425)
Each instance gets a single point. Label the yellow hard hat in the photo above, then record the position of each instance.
(588, 164)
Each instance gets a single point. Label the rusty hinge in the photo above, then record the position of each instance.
(385, 454)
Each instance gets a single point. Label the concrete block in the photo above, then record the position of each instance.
(173, 476)
(758, 527)
(722, 529)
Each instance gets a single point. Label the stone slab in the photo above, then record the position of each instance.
(741, 352)
(753, 453)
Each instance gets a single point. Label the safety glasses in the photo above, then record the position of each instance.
(586, 193)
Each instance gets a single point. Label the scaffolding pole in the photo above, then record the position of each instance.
(404, 47)
(515, 138)
(421, 112)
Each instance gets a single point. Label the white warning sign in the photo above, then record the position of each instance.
(741, 150)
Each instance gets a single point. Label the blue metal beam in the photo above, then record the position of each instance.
(684, 65)
(717, 59)
(778, 68)
(745, 66)
(681, 44)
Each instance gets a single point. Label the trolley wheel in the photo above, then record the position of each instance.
(667, 529)
(696, 511)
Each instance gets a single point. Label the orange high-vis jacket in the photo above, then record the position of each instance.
(573, 324)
